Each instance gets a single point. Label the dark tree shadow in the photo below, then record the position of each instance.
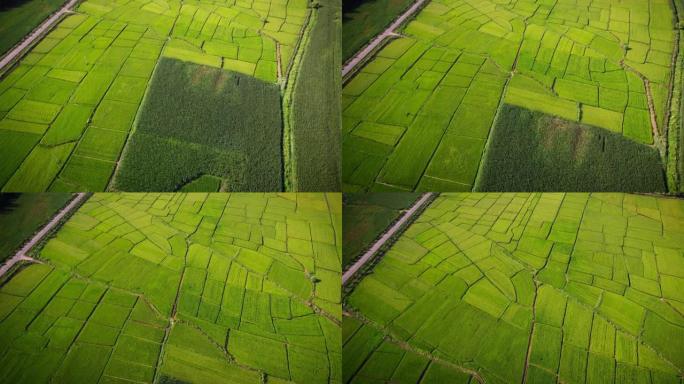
(8, 202)
(6, 5)
(347, 5)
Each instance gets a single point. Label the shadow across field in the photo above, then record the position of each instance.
(531, 151)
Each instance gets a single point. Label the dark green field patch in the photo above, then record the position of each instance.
(366, 215)
(18, 18)
(316, 107)
(22, 215)
(531, 151)
(365, 19)
(199, 120)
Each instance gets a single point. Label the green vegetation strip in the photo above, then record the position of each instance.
(524, 288)
(201, 120)
(315, 105)
(239, 288)
(531, 151)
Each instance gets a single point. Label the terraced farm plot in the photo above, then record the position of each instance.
(367, 215)
(68, 107)
(418, 114)
(531, 288)
(201, 288)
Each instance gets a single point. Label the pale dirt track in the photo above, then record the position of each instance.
(383, 239)
(21, 254)
(36, 34)
(390, 31)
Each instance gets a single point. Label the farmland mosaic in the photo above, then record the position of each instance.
(418, 114)
(531, 288)
(69, 107)
(238, 288)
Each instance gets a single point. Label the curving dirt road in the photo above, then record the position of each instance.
(36, 34)
(383, 239)
(21, 254)
(368, 49)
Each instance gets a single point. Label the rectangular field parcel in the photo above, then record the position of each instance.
(525, 288)
(183, 287)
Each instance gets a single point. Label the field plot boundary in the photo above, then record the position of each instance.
(288, 83)
(675, 67)
(675, 126)
(21, 254)
(19, 50)
(396, 226)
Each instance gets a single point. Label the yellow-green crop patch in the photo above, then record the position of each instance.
(87, 78)
(201, 288)
(523, 288)
(417, 115)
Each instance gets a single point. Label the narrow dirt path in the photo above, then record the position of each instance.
(649, 99)
(532, 327)
(36, 34)
(21, 254)
(361, 55)
(382, 240)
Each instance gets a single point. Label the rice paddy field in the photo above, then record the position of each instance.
(531, 288)
(419, 114)
(366, 216)
(72, 104)
(180, 288)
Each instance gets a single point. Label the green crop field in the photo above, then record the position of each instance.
(23, 214)
(418, 114)
(183, 287)
(531, 151)
(68, 108)
(366, 216)
(316, 122)
(180, 137)
(363, 19)
(525, 288)
(20, 17)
